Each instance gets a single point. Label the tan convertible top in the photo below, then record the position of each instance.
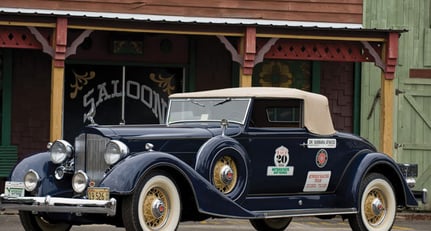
(317, 118)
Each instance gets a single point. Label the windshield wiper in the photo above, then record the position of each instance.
(222, 102)
(197, 103)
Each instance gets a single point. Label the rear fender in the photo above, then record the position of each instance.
(364, 163)
(123, 179)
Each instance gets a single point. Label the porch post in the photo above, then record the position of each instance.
(248, 52)
(57, 79)
(390, 55)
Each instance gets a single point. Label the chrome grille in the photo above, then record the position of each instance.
(89, 151)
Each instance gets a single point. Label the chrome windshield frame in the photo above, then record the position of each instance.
(196, 101)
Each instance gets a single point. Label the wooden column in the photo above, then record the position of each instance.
(390, 55)
(248, 51)
(386, 116)
(57, 79)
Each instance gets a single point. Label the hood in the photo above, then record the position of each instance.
(163, 137)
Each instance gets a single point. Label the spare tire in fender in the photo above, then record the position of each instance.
(223, 161)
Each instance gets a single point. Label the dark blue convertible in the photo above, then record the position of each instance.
(263, 154)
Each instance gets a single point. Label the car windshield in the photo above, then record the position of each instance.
(207, 110)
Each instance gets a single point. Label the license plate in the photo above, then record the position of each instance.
(14, 189)
(94, 193)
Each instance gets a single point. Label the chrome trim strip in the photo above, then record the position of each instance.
(307, 212)
(288, 213)
(59, 205)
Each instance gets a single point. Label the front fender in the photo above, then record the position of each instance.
(41, 163)
(123, 178)
(360, 166)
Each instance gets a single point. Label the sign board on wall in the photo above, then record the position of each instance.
(145, 98)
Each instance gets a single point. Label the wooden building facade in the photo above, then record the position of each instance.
(412, 93)
(58, 58)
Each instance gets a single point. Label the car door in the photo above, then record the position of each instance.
(285, 157)
(293, 161)
(279, 160)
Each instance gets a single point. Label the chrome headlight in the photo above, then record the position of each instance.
(79, 181)
(115, 150)
(31, 180)
(60, 150)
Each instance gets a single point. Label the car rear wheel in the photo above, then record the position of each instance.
(377, 205)
(32, 222)
(155, 205)
(273, 224)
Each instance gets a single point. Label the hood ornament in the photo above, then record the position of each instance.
(224, 124)
(89, 116)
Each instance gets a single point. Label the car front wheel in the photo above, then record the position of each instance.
(32, 222)
(272, 224)
(377, 205)
(155, 205)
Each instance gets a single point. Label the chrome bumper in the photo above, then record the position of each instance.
(58, 205)
(421, 195)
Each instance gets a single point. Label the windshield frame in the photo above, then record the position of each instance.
(221, 101)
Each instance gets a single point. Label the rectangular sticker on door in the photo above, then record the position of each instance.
(317, 181)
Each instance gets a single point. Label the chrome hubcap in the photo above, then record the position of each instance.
(377, 207)
(158, 208)
(226, 174)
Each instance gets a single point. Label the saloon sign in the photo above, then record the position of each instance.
(120, 94)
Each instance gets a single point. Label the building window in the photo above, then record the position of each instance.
(283, 73)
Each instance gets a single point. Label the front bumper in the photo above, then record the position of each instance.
(58, 205)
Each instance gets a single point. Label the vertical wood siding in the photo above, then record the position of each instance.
(412, 111)
(341, 11)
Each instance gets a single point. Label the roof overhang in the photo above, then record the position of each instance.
(177, 19)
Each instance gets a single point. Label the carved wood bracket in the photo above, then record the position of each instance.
(236, 57)
(377, 59)
(59, 51)
(249, 59)
(78, 41)
(46, 48)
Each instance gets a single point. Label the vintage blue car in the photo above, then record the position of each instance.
(263, 154)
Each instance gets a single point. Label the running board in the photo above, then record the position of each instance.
(304, 212)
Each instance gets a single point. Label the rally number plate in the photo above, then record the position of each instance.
(14, 189)
(94, 193)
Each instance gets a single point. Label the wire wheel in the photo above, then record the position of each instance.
(377, 208)
(155, 205)
(225, 174)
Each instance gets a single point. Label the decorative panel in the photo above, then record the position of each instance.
(17, 38)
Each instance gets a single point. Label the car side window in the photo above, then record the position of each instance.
(277, 113)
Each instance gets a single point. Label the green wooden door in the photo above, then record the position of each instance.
(414, 128)
(8, 153)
